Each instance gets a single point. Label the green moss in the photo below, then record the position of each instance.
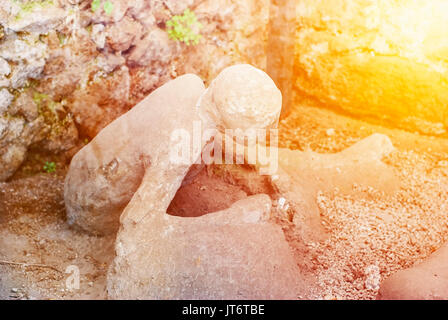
(108, 6)
(49, 167)
(185, 28)
(95, 5)
(46, 108)
(50, 111)
(39, 98)
(30, 6)
(62, 39)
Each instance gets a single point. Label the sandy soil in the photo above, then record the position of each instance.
(370, 237)
(37, 246)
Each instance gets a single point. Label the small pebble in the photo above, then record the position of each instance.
(330, 132)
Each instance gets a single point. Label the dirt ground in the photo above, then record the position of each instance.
(369, 237)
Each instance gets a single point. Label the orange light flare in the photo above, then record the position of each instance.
(384, 58)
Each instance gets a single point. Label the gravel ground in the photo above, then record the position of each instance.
(374, 235)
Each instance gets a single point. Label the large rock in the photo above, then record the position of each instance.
(106, 173)
(102, 102)
(156, 48)
(15, 137)
(25, 122)
(232, 254)
(122, 35)
(425, 281)
(5, 71)
(5, 100)
(36, 16)
(27, 56)
(378, 59)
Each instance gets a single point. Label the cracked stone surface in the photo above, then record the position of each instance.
(5, 100)
(41, 20)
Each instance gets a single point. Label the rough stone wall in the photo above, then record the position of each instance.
(66, 71)
(281, 53)
(385, 59)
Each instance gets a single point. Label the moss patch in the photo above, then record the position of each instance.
(31, 6)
